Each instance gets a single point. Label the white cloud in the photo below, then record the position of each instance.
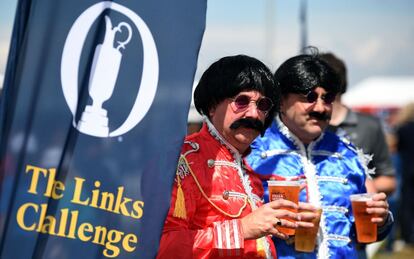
(232, 39)
(384, 52)
(220, 41)
(366, 51)
(270, 47)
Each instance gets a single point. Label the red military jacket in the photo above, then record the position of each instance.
(212, 192)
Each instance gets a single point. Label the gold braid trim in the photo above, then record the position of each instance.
(207, 198)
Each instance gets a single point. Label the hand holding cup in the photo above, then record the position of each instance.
(379, 208)
(288, 190)
(268, 218)
(365, 226)
(305, 237)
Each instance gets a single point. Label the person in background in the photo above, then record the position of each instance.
(297, 146)
(395, 199)
(405, 147)
(216, 205)
(364, 131)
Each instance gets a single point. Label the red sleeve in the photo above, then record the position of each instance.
(179, 240)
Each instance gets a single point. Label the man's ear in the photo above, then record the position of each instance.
(282, 104)
(211, 112)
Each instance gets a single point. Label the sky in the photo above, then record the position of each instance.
(373, 37)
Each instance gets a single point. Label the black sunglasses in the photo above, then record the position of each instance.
(313, 96)
(242, 102)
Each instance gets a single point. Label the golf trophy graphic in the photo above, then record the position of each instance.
(102, 80)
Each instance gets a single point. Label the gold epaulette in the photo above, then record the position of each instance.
(182, 171)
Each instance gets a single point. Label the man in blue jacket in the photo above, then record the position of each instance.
(296, 146)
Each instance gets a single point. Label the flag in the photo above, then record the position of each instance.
(93, 115)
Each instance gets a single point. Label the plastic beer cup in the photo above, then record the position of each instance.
(288, 190)
(366, 230)
(305, 238)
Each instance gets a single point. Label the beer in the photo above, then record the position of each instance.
(366, 230)
(288, 190)
(305, 238)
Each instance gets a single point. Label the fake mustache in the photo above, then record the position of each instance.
(320, 116)
(248, 123)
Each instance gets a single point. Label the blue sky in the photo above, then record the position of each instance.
(374, 37)
(7, 10)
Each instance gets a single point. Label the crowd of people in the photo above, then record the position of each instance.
(288, 125)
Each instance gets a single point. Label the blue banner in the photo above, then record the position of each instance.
(93, 115)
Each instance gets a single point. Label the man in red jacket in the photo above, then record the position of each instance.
(216, 206)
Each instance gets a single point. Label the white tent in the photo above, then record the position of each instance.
(193, 115)
(381, 92)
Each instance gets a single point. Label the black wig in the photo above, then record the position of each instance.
(231, 75)
(302, 73)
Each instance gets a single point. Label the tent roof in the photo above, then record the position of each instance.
(381, 92)
(193, 115)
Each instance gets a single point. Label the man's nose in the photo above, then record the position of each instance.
(252, 111)
(319, 105)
